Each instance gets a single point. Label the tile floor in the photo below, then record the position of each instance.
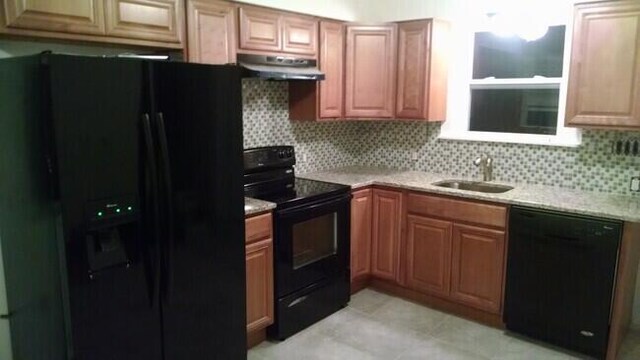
(379, 326)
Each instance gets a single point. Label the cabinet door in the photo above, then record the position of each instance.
(604, 78)
(260, 29)
(477, 267)
(423, 59)
(211, 32)
(67, 16)
(259, 260)
(370, 71)
(387, 231)
(300, 35)
(428, 255)
(361, 212)
(155, 20)
(413, 65)
(332, 64)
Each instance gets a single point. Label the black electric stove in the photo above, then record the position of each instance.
(311, 239)
(269, 176)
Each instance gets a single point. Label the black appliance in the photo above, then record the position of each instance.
(145, 158)
(280, 67)
(560, 277)
(311, 241)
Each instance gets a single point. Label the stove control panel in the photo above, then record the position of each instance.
(269, 157)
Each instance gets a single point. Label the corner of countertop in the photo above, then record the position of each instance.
(254, 206)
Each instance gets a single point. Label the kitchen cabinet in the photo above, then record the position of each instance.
(69, 16)
(260, 29)
(322, 100)
(268, 31)
(332, 43)
(370, 71)
(477, 267)
(429, 254)
(259, 268)
(456, 250)
(211, 28)
(386, 235)
(604, 72)
(299, 35)
(156, 20)
(361, 222)
(157, 23)
(422, 70)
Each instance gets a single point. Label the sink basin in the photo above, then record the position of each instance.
(473, 186)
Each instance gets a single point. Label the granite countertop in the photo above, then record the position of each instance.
(611, 206)
(253, 206)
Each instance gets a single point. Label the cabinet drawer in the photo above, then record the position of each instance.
(466, 211)
(258, 227)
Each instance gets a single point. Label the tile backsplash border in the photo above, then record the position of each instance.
(324, 145)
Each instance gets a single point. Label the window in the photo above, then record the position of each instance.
(514, 90)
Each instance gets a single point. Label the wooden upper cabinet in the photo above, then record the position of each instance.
(332, 64)
(68, 16)
(428, 255)
(156, 20)
(299, 35)
(324, 99)
(211, 32)
(370, 71)
(387, 232)
(604, 78)
(260, 29)
(361, 220)
(422, 70)
(477, 267)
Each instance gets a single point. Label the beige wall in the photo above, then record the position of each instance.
(335, 9)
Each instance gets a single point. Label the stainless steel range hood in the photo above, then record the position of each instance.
(280, 67)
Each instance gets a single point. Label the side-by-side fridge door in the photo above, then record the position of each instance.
(199, 125)
(106, 180)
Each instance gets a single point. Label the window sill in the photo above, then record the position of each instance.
(571, 137)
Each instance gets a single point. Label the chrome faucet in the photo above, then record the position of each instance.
(485, 162)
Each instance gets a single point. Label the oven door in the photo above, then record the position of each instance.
(311, 243)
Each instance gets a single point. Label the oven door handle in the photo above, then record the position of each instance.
(315, 206)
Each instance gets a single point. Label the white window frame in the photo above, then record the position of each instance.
(456, 127)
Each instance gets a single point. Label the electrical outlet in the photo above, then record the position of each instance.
(303, 157)
(635, 183)
(414, 156)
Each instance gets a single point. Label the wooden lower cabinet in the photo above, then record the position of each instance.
(477, 267)
(361, 220)
(428, 255)
(259, 268)
(455, 249)
(387, 232)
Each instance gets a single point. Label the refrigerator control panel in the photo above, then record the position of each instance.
(114, 210)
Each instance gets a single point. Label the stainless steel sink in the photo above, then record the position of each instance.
(473, 186)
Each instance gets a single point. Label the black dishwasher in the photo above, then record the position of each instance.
(560, 276)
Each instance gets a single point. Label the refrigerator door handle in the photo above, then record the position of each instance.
(151, 197)
(168, 194)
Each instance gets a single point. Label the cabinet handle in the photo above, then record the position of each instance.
(5, 316)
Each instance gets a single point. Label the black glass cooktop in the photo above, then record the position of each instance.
(304, 191)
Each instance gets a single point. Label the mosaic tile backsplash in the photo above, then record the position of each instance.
(590, 167)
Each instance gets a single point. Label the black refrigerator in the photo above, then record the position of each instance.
(144, 170)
